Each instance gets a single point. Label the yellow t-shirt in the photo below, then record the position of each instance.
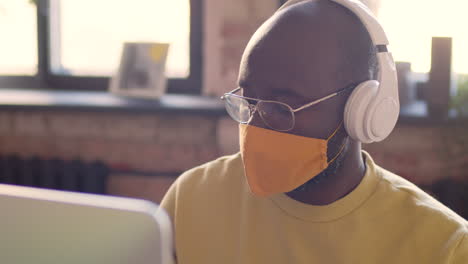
(386, 219)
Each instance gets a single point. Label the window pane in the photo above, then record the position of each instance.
(18, 45)
(410, 25)
(87, 35)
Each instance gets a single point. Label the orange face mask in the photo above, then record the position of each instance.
(276, 162)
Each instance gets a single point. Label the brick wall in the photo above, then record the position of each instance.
(128, 141)
(424, 154)
(147, 143)
(162, 144)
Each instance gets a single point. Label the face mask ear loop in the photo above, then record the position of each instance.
(342, 146)
(339, 153)
(336, 131)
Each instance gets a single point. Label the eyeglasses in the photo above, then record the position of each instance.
(276, 115)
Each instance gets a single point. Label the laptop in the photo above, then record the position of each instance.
(48, 226)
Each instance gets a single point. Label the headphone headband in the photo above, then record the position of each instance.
(373, 26)
(376, 32)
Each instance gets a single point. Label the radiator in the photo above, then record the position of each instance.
(74, 175)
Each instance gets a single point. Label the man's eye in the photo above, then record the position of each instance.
(252, 102)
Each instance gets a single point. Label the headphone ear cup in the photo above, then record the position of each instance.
(356, 110)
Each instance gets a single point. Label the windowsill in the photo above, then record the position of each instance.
(23, 99)
(99, 101)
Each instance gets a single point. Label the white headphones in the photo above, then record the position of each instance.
(372, 109)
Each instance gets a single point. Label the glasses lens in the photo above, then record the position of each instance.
(276, 115)
(238, 108)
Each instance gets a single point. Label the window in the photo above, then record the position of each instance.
(410, 25)
(18, 48)
(86, 43)
(79, 42)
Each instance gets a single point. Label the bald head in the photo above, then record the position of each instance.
(312, 41)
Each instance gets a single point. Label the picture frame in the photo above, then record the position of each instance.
(141, 72)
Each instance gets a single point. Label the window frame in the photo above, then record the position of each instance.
(46, 79)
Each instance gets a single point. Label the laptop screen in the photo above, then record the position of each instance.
(48, 226)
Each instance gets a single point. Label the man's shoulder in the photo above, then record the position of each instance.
(417, 216)
(416, 201)
(204, 190)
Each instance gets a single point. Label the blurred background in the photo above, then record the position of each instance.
(61, 129)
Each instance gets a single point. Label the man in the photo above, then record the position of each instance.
(312, 195)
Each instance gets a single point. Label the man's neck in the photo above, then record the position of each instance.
(336, 186)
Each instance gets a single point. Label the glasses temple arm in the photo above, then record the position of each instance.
(324, 98)
(315, 102)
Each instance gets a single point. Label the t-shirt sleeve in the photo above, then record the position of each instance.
(460, 254)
